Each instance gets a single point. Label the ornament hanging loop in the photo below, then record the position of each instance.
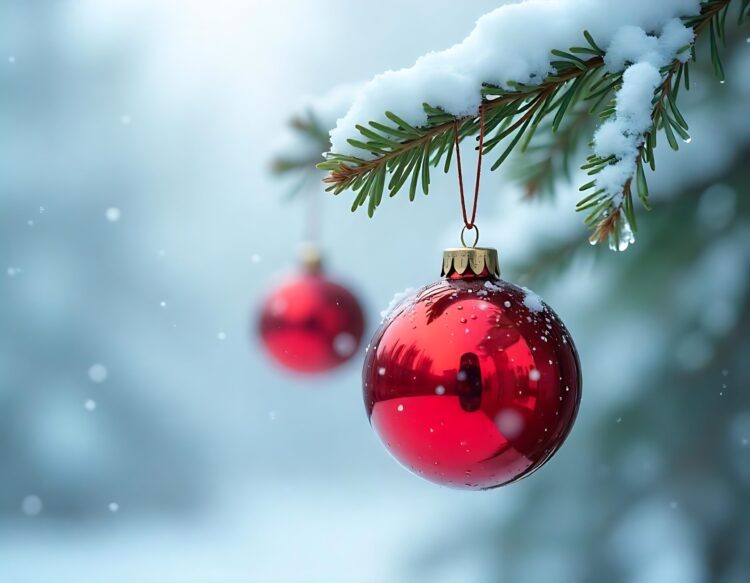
(469, 224)
(473, 228)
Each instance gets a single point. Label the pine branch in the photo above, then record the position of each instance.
(613, 216)
(404, 155)
(401, 148)
(547, 158)
(557, 255)
(311, 131)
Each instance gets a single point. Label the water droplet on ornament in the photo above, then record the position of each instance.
(463, 320)
(461, 376)
(400, 408)
(440, 390)
(506, 303)
(534, 375)
(381, 371)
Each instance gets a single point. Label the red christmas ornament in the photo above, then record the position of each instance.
(311, 324)
(472, 382)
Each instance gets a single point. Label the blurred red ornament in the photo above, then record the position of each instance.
(472, 382)
(311, 324)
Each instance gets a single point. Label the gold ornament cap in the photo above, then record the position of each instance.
(479, 261)
(310, 258)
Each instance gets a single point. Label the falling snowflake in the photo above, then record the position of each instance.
(98, 373)
(112, 214)
(344, 344)
(31, 505)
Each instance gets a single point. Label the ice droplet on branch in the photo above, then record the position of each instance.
(622, 237)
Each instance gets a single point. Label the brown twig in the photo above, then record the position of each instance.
(346, 172)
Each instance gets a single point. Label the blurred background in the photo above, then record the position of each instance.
(146, 437)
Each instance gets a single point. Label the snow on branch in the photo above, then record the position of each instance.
(531, 67)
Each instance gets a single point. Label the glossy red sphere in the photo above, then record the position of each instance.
(310, 324)
(472, 382)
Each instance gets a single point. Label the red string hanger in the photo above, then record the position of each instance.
(469, 224)
(312, 222)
